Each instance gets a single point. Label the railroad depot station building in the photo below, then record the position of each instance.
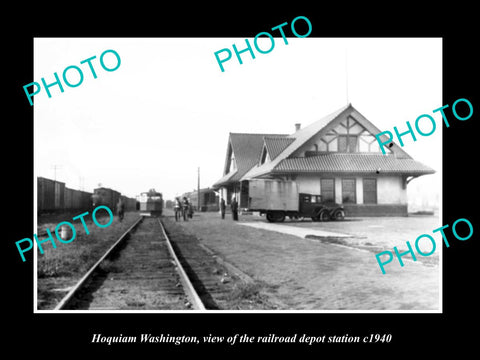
(337, 157)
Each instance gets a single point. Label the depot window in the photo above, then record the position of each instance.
(369, 191)
(349, 193)
(327, 190)
(347, 143)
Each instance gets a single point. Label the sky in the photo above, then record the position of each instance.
(168, 109)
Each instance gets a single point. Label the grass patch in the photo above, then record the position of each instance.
(75, 258)
(245, 292)
(329, 239)
(247, 296)
(66, 263)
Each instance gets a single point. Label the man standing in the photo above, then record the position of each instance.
(190, 209)
(186, 206)
(234, 206)
(120, 209)
(177, 208)
(222, 207)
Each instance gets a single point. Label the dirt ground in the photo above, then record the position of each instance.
(60, 268)
(318, 274)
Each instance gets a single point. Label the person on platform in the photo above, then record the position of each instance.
(177, 208)
(234, 206)
(186, 206)
(222, 207)
(190, 209)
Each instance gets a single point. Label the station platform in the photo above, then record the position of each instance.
(294, 230)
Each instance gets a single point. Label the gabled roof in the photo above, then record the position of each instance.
(299, 138)
(275, 144)
(356, 162)
(285, 161)
(246, 149)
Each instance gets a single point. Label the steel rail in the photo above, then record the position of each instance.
(197, 303)
(66, 299)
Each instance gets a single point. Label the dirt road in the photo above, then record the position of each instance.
(308, 274)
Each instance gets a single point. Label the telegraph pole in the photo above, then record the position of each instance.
(346, 73)
(55, 167)
(198, 189)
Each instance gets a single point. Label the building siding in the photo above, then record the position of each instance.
(391, 196)
(309, 184)
(390, 190)
(360, 210)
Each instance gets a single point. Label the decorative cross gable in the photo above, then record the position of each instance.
(348, 136)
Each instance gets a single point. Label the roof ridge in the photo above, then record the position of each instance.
(335, 153)
(259, 134)
(279, 137)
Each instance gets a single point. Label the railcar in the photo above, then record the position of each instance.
(106, 197)
(54, 197)
(209, 200)
(151, 203)
(129, 203)
(50, 195)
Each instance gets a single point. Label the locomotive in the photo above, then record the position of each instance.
(151, 203)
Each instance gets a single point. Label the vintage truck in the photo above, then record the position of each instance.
(278, 199)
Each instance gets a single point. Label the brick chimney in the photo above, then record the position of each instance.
(298, 126)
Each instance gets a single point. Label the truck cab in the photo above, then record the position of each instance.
(309, 204)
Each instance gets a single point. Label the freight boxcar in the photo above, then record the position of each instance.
(85, 200)
(129, 203)
(77, 200)
(50, 195)
(105, 196)
(70, 199)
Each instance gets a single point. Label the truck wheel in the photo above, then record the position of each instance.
(280, 216)
(324, 215)
(276, 216)
(270, 217)
(339, 214)
(317, 214)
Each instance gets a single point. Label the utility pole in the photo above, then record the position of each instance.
(198, 189)
(55, 167)
(346, 73)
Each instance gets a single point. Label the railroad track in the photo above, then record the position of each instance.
(141, 271)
